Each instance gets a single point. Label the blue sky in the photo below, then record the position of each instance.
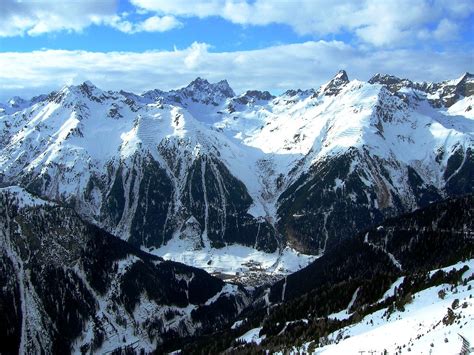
(219, 33)
(262, 44)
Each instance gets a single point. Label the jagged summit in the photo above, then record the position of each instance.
(85, 85)
(16, 101)
(393, 83)
(249, 98)
(465, 77)
(86, 90)
(88, 83)
(385, 79)
(335, 85)
(200, 85)
(444, 93)
(199, 82)
(341, 75)
(254, 95)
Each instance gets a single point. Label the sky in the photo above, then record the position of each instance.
(274, 45)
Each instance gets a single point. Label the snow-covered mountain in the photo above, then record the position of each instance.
(215, 169)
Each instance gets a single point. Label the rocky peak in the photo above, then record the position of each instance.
(152, 95)
(466, 77)
(384, 79)
(333, 87)
(342, 76)
(252, 96)
(85, 90)
(16, 101)
(393, 83)
(298, 93)
(465, 85)
(449, 92)
(198, 83)
(225, 88)
(202, 91)
(292, 92)
(203, 86)
(249, 97)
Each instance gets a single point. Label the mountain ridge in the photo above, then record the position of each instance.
(17, 101)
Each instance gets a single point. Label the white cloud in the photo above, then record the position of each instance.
(19, 18)
(159, 24)
(379, 23)
(274, 68)
(37, 17)
(151, 24)
(196, 54)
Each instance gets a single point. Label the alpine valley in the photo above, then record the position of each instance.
(201, 221)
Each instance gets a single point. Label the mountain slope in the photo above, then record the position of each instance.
(66, 285)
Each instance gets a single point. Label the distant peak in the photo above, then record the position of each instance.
(465, 77)
(87, 89)
(221, 88)
(385, 79)
(251, 96)
(225, 88)
(84, 86)
(198, 82)
(333, 87)
(261, 95)
(16, 100)
(341, 75)
(223, 82)
(88, 83)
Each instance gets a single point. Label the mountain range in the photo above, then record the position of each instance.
(99, 187)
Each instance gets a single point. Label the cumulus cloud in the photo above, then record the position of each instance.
(151, 24)
(275, 68)
(37, 17)
(379, 23)
(19, 18)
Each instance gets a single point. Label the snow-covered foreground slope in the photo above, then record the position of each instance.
(430, 324)
(436, 320)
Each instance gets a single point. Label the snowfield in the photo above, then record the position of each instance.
(417, 330)
(235, 262)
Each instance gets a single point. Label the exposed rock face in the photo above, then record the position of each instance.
(335, 85)
(441, 94)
